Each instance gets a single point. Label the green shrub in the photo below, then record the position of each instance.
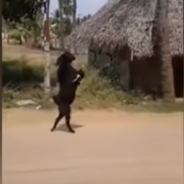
(14, 34)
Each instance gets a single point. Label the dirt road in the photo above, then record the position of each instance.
(110, 147)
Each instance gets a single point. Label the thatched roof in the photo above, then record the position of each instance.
(130, 23)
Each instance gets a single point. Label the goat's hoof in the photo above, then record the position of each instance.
(72, 131)
(52, 130)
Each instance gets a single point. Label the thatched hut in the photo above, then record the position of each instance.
(121, 36)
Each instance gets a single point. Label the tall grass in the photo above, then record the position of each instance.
(22, 81)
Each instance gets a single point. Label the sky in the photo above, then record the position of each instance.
(84, 7)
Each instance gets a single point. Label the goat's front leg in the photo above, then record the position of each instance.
(79, 76)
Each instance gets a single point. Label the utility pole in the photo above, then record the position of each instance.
(46, 5)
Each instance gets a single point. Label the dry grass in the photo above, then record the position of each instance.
(24, 68)
(33, 56)
(17, 52)
(25, 71)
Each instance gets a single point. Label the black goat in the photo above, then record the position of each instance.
(69, 79)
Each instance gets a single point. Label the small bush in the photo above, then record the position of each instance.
(15, 34)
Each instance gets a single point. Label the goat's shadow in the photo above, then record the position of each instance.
(64, 128)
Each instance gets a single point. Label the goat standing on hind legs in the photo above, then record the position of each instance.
(69, 79)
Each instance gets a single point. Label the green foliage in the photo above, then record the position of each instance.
(55, 23)
(28, 30)
(15, 34)
(67, 10)
(21, 19)
(17, 10)
(67, 24)
(31, 29)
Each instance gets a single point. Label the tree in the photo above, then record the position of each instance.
(166, 70)
(74, 23)
(62, 44)
(17, 10)
(55, 23)
(67, 8)
(56, 16)
(65, 13)
(32, 29)
(67, 24)
(80, 20)
(17, 13)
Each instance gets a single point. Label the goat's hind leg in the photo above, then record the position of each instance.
(60, 116)
(67, 118)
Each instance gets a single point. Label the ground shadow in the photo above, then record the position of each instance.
(63, 127)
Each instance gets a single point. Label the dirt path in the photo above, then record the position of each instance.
(110, 147)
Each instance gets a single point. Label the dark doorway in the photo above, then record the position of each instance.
(177, 63)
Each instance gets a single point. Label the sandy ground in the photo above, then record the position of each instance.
(109, 147)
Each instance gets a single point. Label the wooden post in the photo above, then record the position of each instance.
(46, 46)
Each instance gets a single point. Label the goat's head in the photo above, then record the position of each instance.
(66, 57)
